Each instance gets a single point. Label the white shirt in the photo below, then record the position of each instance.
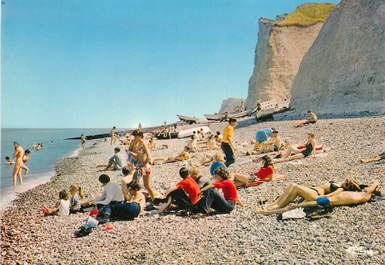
(64, 208)
(111, 192)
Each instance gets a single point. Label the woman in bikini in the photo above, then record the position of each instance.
(340, 197)
(139, 155)
(293, 153)
(311, 193)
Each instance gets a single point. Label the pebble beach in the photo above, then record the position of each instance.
(350, 235)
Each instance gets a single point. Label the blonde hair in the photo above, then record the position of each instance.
(78, 189)
(219, 157)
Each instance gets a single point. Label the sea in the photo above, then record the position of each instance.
(42, 162)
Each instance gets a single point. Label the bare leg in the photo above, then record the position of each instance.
(241, 178)
(292, 192)
(290, 158)
(147, 185)
(373, 159)
(15, 173)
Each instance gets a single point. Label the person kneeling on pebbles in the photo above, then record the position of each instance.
(114, 163)
(62, 207)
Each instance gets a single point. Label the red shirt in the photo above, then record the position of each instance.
(189, 186)
(265, 172)
(228, 188)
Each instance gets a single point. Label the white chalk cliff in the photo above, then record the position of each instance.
(279, 52)
(232, 105)
(344, 70)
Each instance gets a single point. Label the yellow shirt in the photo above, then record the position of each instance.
(228, 133)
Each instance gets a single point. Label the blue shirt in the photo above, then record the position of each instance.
(263, 134)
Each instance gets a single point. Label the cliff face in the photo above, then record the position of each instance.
(344, 70)
(280, 49)
(232, 105)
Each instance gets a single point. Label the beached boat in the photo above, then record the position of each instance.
(241, 114)
(189, 132)
(191, 120)
(269, 110)
(165, 136)
(215, 117)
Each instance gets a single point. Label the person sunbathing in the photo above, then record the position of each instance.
(376, 158)
(185, 155)
(337, 198)
(207, 159)
(293, 153)
(209, 144)
(294, 191)
(311, 118)
(265, 174)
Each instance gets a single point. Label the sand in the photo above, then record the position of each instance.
(351, 235)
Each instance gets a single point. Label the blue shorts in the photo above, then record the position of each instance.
(323, 201)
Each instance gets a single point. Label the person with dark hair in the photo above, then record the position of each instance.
(265, 174)
(139, 156)
(9, 161)
(62, 207)
(112, 192)
(82, 140)
(227, 142)
(337, 198)
(185, 194)
(26, 158)
(115, 162)
(293, 153)
(311, 118)
(134, 204)
(225, 203)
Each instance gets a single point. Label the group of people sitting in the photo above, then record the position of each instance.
(198, 194)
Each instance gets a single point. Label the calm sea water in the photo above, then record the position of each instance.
(42, 162)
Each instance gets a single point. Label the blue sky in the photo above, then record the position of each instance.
(93, 64)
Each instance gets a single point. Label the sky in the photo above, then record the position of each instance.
(98, 64)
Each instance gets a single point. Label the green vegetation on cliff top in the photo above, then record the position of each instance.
(306, 15)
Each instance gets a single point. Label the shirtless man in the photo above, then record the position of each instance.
(139, 155)
(113, 135)
(19, 153)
